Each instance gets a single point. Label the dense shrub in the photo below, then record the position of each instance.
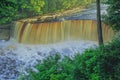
(52, 68)
(102, 63)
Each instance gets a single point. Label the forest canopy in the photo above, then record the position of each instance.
(11, 10)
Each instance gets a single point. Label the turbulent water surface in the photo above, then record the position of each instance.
(16, 58)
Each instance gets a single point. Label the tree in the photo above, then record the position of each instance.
(113, 14)
(52, 5)
(7, 10)
(45, 7)
(33, 7)
(100, 38)
(11, 10)
(67, 4)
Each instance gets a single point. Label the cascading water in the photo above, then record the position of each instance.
(23, 56)
(52, 32)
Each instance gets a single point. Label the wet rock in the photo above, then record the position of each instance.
(4, 34)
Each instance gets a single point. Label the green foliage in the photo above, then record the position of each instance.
(33, 7)
(59, 5)
(87, 65)
(52, 6)
(102, 63)
(67, 4)
(113, 16)
(7, 10)
(52, 69)
(46, 7)
(11, 10)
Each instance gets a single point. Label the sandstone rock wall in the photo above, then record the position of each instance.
(4, 32)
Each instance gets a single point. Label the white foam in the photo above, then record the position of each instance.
(28, 53)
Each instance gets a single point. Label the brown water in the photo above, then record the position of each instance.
(52, 32)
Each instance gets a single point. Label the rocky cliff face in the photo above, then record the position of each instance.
(4, 32)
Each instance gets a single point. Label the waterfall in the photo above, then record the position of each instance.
(52, 32)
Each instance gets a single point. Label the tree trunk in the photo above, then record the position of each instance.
(99, 28)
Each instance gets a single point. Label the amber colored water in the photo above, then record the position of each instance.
(52, 32)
